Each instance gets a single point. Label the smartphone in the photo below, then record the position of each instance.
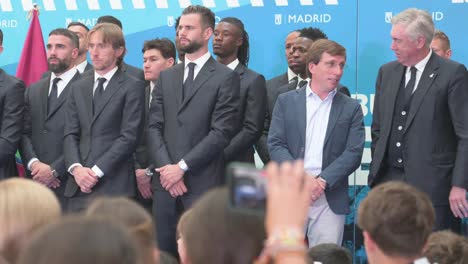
(247, 188)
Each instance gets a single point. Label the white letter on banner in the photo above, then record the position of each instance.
(71, 5)
(138, 4)
(184, 3)
(281, 2)
(161, 4)
(93, 4)
(5, 6)
(209, 3)
(256, 2)
(233, 3)
(115, 4)
(331, 2)
(27, 5)
(307, 2)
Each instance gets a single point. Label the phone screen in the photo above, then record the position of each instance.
(247, 188)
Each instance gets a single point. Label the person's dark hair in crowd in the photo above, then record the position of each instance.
(396, 220)
(215, 233)
(110, 19)
(131, 215)
(67, 33)
(243, 51)
(1, 37)
(446, 247)
(76, 23)
(81, 240)
(312, 33)
(329, 253)
(164, 45)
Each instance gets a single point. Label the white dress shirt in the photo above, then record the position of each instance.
(420, 68)
(198, 65)
(82, 66)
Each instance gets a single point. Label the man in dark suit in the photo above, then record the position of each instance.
(420, 122)
(158, 55)
(104, 119)
(271, 86)
(325, 128)
(81, 30)
(193, 116)
(44, 116)
(231, 46)
(133, 71)
(11, 119)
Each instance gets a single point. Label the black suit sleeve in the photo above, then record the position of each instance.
(224, 120)
(12, 120)
(375, 127)
(254, 118)
(26, 147)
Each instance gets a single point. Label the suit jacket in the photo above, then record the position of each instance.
(252, 106)
(89, 67)
(11, 122)
(197, 129)
(141, 155)
(343, 145)
(435, 150)
(43, 132)
(272, 87)
(133, 71)
(108, 138)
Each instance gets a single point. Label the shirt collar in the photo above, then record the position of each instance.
(200, 61)
(291, 74)
(233, 64)
(66, 76)
(82, 66)
(108, 75)
(309, 92)
(421, 64)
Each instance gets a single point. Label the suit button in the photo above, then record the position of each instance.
(400, 128)
(44, 131)
(403, 113)
(399, 160)
(398, 144)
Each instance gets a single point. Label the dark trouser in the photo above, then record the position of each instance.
(166, 214)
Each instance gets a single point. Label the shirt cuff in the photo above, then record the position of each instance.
(70, 169)
(98, 171)
(31, 161)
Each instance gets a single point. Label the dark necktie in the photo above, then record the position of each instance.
(188, 84)
(302, 83)
(53, 95)
(293, 82)
(98, 92)
(410, 85)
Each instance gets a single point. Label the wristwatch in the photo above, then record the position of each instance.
(149, 172)
(182, 165)
(55, 173)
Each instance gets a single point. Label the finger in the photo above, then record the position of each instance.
(184, 188)
(285, 173)
(454, 208)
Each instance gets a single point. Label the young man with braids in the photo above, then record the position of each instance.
(231, 46)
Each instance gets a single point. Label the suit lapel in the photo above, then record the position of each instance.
(63, 96)
(425, 82)
(147, 97)
(240, 69)
(87, 91)
(335, 111)
(205, 73)
(301, 113)
(178, 83)
(115, 83)
(44, 97)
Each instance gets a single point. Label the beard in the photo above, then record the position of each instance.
(60, 67)
(190, 48)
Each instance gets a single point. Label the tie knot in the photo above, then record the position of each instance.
(191, 66)
(302, 83)
(56, 80)
(294, 79)
(101, 80)
(413, 70)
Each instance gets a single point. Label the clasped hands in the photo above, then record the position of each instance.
(171, 178)
(317, 188)
(85, 178)
(42, 173)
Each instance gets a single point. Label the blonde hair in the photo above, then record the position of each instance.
(25, 206)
